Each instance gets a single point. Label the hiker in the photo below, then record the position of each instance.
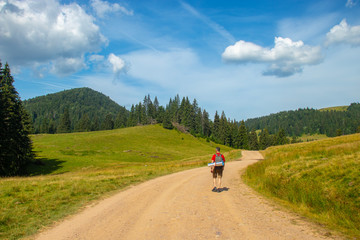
(217, 171)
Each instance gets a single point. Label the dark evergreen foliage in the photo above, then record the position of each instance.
(65, 123)
(310, 121)
(82, 103)
(108, 123)
(15, 127)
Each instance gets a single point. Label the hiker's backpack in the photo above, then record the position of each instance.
(219, 160)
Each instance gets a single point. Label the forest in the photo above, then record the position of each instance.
(310, 121)
(84, 109)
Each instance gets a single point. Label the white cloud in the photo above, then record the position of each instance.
(117, 63)
(96, 58)
(285, 59)
(103, 7)
(66, 66)
(343, 33)
(351, 3)
(37, 32)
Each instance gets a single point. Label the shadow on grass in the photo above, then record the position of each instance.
(43, 166)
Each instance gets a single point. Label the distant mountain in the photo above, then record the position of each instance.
(87, 110)
(330, 121)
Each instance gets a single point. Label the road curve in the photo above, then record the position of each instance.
(182, 206)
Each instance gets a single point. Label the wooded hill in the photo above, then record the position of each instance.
(310, 121)
(83, 108)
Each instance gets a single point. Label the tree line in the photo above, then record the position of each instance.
(310, 121)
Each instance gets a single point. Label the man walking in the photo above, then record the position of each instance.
(218, 169)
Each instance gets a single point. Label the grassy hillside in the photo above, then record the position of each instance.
(75, 169)
(319, 179)
(338, 108)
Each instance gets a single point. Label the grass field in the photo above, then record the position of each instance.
(313, 137)
(338, 108)
(319, 179)
(78, 168)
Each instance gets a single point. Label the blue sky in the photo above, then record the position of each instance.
(246, 58)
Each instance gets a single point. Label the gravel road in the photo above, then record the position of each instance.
(182, 206)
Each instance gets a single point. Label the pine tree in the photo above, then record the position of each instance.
(108, 123)
(156, 109)
(167, 121)
(253, 141)
(264, 139)
(84, 124)
(216, 127)
(15, 127)
(281, 138)
(121, 118)
(205, 124)
(65, 123)
(243, 137)
(224, 130)
(44, 127)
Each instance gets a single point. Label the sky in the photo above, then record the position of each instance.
(246, 58)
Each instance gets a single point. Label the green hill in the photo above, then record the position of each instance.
(46, 110)
(76, 168)
(319, 179)
(330, 121)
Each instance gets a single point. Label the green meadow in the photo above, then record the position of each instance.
(73, 170)
(319, 179)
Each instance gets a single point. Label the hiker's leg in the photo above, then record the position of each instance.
(214, 182)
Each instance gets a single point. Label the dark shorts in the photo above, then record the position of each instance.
(218, 171)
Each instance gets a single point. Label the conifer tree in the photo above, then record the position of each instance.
(243, 137)
(224, 130)
(108, 123)
(216, 127)
(84, 124)
(264, 139)
(95, 126)
(160, 114)
(205, 124)
(15, 127)
(167, 121)
(65, 123)
(44, 128)
(156, 108)
(281, 138)
(121, 118)
(253, 141)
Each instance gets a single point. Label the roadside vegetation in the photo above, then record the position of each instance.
(319, 179)
(72, 170)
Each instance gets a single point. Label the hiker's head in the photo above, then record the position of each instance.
(217, 149)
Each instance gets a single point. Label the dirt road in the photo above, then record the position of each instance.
(182, 206)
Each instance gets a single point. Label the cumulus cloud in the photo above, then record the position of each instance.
(102, 8)
(118, 64)
(65, 66)
(37, 32)
(343, 33)
(285, 58)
